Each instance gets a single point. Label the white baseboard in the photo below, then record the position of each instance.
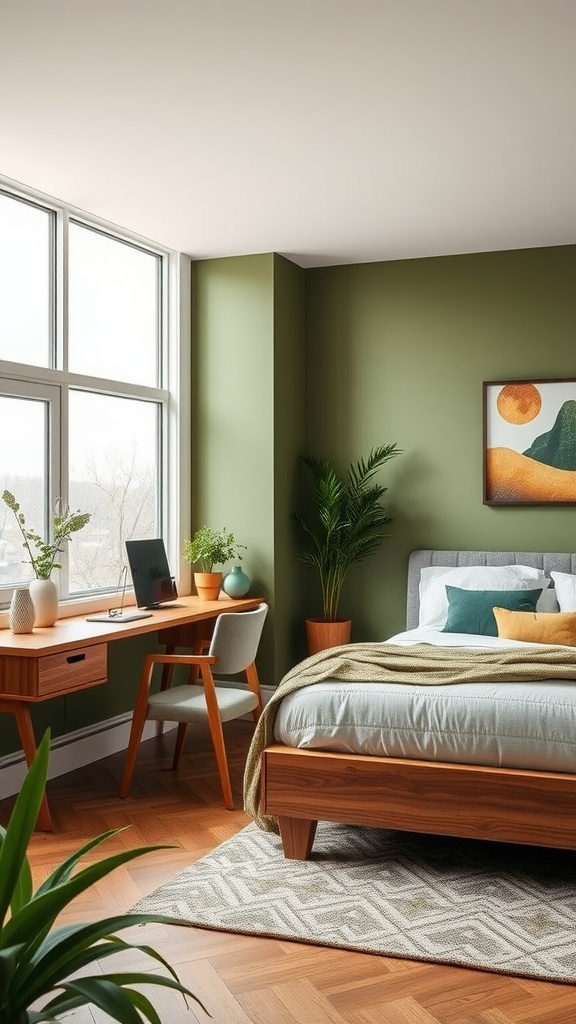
(84, 746)
(74, 750)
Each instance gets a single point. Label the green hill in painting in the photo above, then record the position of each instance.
(557, 447)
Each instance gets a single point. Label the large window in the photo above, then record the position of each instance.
(90, 402)
(27, 234)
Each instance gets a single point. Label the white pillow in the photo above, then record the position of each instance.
(434, 579)
(548, 602)
(565, 585)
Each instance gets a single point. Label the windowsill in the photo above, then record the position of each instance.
(88, 605)
(80, 606)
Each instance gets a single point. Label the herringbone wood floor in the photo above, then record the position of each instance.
(242, 979)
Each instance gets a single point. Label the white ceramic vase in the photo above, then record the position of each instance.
(22, 612)
(44, 594)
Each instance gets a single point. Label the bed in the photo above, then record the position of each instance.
(525, 793)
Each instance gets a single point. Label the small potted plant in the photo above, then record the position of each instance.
(206, 549)
(346, 525)
(43, 590)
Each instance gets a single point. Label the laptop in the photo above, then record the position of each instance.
(154, 585)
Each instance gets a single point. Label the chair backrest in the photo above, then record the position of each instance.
(235, 639)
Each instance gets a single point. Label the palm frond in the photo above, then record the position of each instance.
(348, 521)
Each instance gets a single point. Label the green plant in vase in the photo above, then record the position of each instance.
(210, 547)
(206, 549)
(64, 524)
(346, 524)
(42, 554)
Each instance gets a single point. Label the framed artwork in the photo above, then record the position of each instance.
(529, 440)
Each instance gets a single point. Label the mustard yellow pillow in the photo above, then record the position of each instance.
(537, 627)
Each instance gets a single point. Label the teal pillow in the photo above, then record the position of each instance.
(471, 611)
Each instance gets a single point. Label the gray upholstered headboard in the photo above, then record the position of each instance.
(421, 559)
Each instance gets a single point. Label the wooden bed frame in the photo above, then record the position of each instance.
(302, 787)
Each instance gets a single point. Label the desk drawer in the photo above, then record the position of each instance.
(72, 670)
(38, 678)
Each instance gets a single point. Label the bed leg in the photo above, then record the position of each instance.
(297, 836)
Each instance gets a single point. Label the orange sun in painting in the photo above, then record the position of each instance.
(519, 403)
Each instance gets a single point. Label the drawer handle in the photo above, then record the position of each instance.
(75, 657)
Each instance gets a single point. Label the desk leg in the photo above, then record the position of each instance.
(21, 712)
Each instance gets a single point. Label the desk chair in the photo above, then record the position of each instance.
(231, 650)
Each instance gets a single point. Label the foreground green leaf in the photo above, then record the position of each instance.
(39, 962)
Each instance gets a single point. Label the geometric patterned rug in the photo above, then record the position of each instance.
(496, 907)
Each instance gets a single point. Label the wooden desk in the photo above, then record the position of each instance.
(72, 655)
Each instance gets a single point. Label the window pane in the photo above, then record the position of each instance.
(114, 474)
(25, 261)
(23, 473)
(113, 308)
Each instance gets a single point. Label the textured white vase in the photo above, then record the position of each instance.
(44, 594)
(22, 612)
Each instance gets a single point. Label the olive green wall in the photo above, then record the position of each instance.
(232, 440)
(289, 425)
(398, 352)
(249, 421)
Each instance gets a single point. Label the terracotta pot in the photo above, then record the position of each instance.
(321, 634)
(208, 585)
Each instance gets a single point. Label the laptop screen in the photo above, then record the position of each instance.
(151, 577)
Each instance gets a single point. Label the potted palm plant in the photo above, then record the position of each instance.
(346, 525)
(40, 964)
(206, 549)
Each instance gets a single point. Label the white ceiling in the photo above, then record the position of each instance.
(332, 131)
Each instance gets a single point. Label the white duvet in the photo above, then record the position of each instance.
(514, 725)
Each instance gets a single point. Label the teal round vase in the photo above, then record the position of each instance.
(236, 583)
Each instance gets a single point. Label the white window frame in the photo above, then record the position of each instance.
(174, 392)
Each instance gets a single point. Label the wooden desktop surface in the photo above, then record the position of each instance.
(76, 631)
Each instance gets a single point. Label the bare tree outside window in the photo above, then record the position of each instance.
(113, 472)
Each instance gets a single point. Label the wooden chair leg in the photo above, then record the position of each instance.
(254, 685)
(215, 724)
(136, 731)
(222, 762)
(137, 728)
(180, 737)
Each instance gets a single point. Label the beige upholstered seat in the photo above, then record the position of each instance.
(232, 650)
